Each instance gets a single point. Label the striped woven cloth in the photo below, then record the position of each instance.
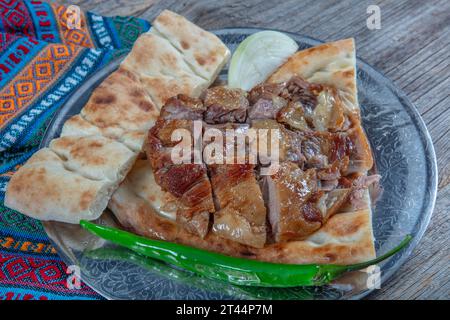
(45, 55)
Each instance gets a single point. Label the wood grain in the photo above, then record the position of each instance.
(412, 48)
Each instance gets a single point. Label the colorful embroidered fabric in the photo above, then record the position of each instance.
(45, 54)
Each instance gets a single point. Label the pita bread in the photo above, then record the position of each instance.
(95, 157)
(345, 238)
(162, 69)
(161, 87)
(332, 63)
(78, 126)
(203, 51)
(46, 190)
(120, 101)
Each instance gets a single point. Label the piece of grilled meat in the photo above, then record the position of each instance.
(225, 105)
(297, 207)
(188, 182)
(241, 214)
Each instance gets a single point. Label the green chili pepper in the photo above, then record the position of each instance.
(237, 271)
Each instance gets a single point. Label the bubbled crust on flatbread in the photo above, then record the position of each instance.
(161, 87)
(41, 188)
(120, 101)
(78, 126)
(202, 50)
(162, 69)
(332, 64)
(345, 238)
(94, 157)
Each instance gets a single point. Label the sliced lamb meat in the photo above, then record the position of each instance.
(188, 183)
(322, 149)
(163, 129)
(241, 214)
(315, 151)
(266, 109)
(351, 149)
(360, 153)
(232, 135)
(182, 107)
(290, 142)
(360, 192)
(225, 105)
(265, 101)
(297, 207)
(159, 141)
(293, 115)
(298, 89)
(328, 185)
(332, 202)
(287, 195)
(328, 115)
(265, 91)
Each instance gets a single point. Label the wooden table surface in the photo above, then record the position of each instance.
(412, 48)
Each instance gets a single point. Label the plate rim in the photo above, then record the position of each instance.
(399, 93)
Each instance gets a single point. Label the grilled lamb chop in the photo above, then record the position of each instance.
(297, 207)
(241, 214)
(225, 105)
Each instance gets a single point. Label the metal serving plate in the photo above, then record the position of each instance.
(404, 157)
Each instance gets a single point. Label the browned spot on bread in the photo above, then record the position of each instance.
(185, 45)
(349, 74)
(331, 257)
(163, 19)
(145, 105)
(201, 61)
(85, 199)
(247, 253)
(95, 144)
(126, 73)
(345, 228)
(104, 99)
(169, 59)
(84, 151)
(137, 92)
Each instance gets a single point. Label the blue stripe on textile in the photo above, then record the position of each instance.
(16, 159)
(44, 21)
(21, 235)
(109, 24)
(16, 51)
(99, 30)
